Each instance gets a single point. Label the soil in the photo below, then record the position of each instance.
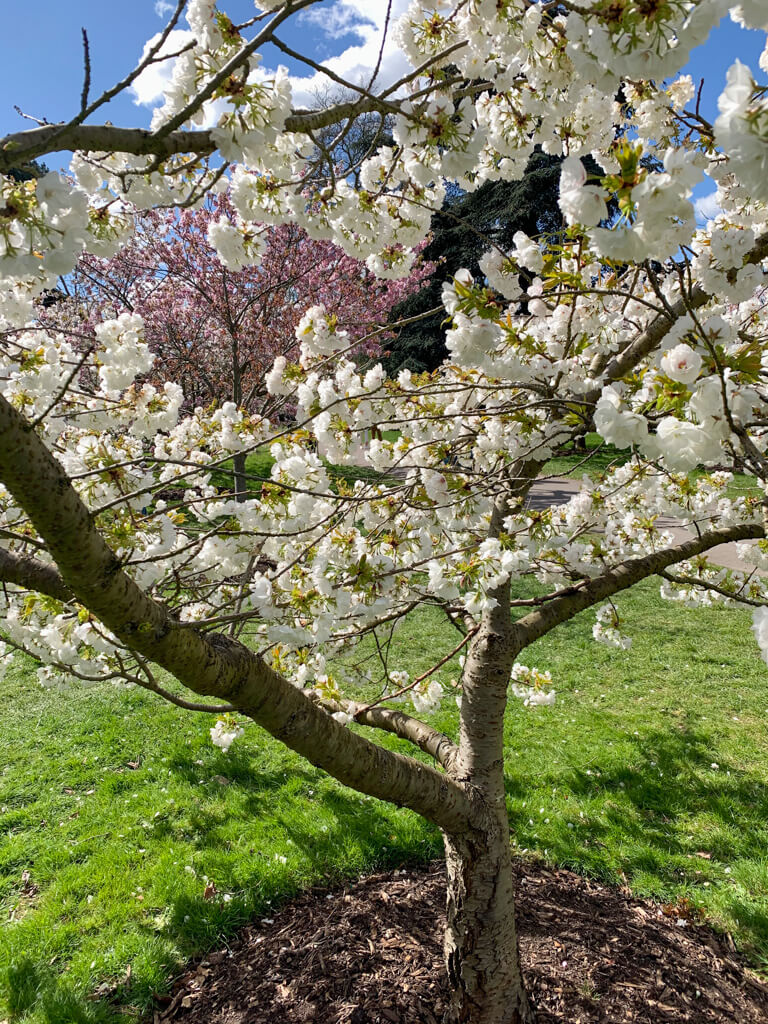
(371, 954)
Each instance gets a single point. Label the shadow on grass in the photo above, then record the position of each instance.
(646, 810)
(347, 835)
(594, 457)
(354, 835)
(641, 825)
(645, 822)
(28, 986)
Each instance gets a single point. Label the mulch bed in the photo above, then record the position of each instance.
(371, 954)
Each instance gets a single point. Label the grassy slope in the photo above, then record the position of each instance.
(119, 807)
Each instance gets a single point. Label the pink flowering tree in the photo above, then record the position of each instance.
(215, 325)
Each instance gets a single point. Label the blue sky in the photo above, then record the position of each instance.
(710, 61)
(41, 65)
(41, 53)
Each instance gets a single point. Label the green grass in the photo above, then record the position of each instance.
(121, 810)
(598, 457)
(259, 466)
(651, 758)
(652, 767)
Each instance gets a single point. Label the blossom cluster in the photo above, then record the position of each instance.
(606, 628)
(632, 321)
(529, 683)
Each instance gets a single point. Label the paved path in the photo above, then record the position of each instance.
(558, 490)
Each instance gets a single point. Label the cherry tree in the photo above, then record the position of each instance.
(215, 328)
(641, 325)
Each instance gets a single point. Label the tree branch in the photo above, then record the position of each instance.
(584, 595)
(661, 325)
(180, 702)
(20, 147)
(425, 737)
(211, 665)
(86, 73)
(149, 58)
(32, 574)
(232, 65)
(693, 581)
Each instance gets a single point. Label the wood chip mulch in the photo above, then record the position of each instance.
(371, 954)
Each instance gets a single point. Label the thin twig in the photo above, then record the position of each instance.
(86, 73)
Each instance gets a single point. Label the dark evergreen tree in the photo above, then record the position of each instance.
(460, 235)
(33, 169)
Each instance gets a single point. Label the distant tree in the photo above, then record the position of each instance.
(341, 147)
(461, 232)
(215, 329)
(27, 171)
(344, 146)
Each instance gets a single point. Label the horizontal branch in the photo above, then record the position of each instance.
(211, 664)
(693, 581)
(425, 737)
(398, 723)
(32, 574)
(100, 138)
(584, 595)
(21, 147)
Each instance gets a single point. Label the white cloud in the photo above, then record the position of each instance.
(148, 87)
(163, 8)
(339, 20)
(366, 19)
(706, 208)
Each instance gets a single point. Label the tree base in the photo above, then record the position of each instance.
(481, 951)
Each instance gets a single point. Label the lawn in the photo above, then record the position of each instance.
(118, 817)
(598, 457)
(259, 467)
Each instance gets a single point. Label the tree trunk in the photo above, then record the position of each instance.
(238, 460)
(480, 938)
(240, 477)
